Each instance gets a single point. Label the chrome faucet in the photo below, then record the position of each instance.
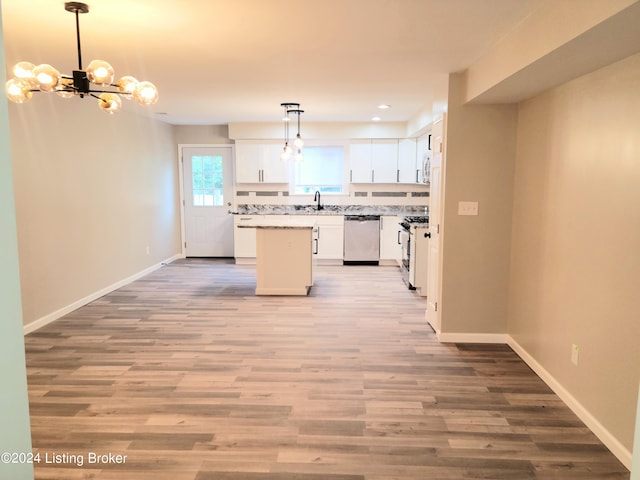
(316, 197)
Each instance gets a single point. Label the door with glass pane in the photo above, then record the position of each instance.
(208, 187)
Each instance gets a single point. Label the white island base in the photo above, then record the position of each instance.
(284, 259)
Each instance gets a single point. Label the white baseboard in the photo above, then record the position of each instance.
(472, 337)
(589, 420)
(42, 321)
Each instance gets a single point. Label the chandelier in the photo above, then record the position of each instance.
(287, 151)
(29, 78)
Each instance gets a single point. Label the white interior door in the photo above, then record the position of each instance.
(434, 268)
(208, 189)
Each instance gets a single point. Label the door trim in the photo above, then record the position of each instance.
(181, 147)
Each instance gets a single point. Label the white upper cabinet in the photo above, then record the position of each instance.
(373, 161)
(247, 163)
(384, 161)
(360, 161)
(260, 163)
(408, 167)
(274, 169)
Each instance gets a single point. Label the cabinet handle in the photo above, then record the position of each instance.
(316, 240)
(350, 176)
(373, 176)
(427, 235)
(399, 232)
(397, 176)
(418, 176)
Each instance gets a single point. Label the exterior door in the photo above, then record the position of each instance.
(208, 189)
(434, 265)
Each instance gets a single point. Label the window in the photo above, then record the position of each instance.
(321, 169)
(207, 180)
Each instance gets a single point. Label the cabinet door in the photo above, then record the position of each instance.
(244, 239)
(409, 172)
(247, 163)
(274, 169)
(330, 241)
(389, 238)
(360, 161)
(384, 161)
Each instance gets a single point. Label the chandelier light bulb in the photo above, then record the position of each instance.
(127, 86)
(298, 142)
(64, 89)
(100, 72)
(18, 91)
(299, 156)
(24, 70)
(110, 102)
(46, 76)
(145, 93)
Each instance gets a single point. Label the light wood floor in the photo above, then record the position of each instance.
(192, 377)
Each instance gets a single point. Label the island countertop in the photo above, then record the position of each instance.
(299, 222)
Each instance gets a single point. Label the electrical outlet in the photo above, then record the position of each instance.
(574, 354)
(467, 208)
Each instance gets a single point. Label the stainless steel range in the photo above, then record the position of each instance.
(414, 238)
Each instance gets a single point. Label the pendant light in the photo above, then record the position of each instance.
(298, 143)
(29, 78)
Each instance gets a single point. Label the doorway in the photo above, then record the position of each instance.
(207, 182)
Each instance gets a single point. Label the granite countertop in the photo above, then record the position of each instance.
(250, 209)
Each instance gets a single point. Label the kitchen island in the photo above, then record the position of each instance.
(284, 258)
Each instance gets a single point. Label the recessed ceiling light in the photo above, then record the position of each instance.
(376, 119)
(383, 106)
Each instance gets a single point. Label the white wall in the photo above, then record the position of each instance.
(575, 258)
(93, 191)
(15, 435)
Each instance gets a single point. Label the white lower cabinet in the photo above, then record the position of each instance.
(329, 237)
(389, 238)
(244, 239)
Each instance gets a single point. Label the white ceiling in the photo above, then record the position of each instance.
(221, 61)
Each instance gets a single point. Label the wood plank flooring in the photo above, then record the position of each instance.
(192, 377)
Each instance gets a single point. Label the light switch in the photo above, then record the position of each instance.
(467, 208)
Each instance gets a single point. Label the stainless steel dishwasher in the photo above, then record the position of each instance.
(361, 239)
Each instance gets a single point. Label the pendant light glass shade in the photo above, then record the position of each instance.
(145, 93)
(24, 71)
(46, 77)
(127, 86)
(100, 72)
(298, 142)
(110, 102)
(286, 152)
(64, 89)
(18, 91)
